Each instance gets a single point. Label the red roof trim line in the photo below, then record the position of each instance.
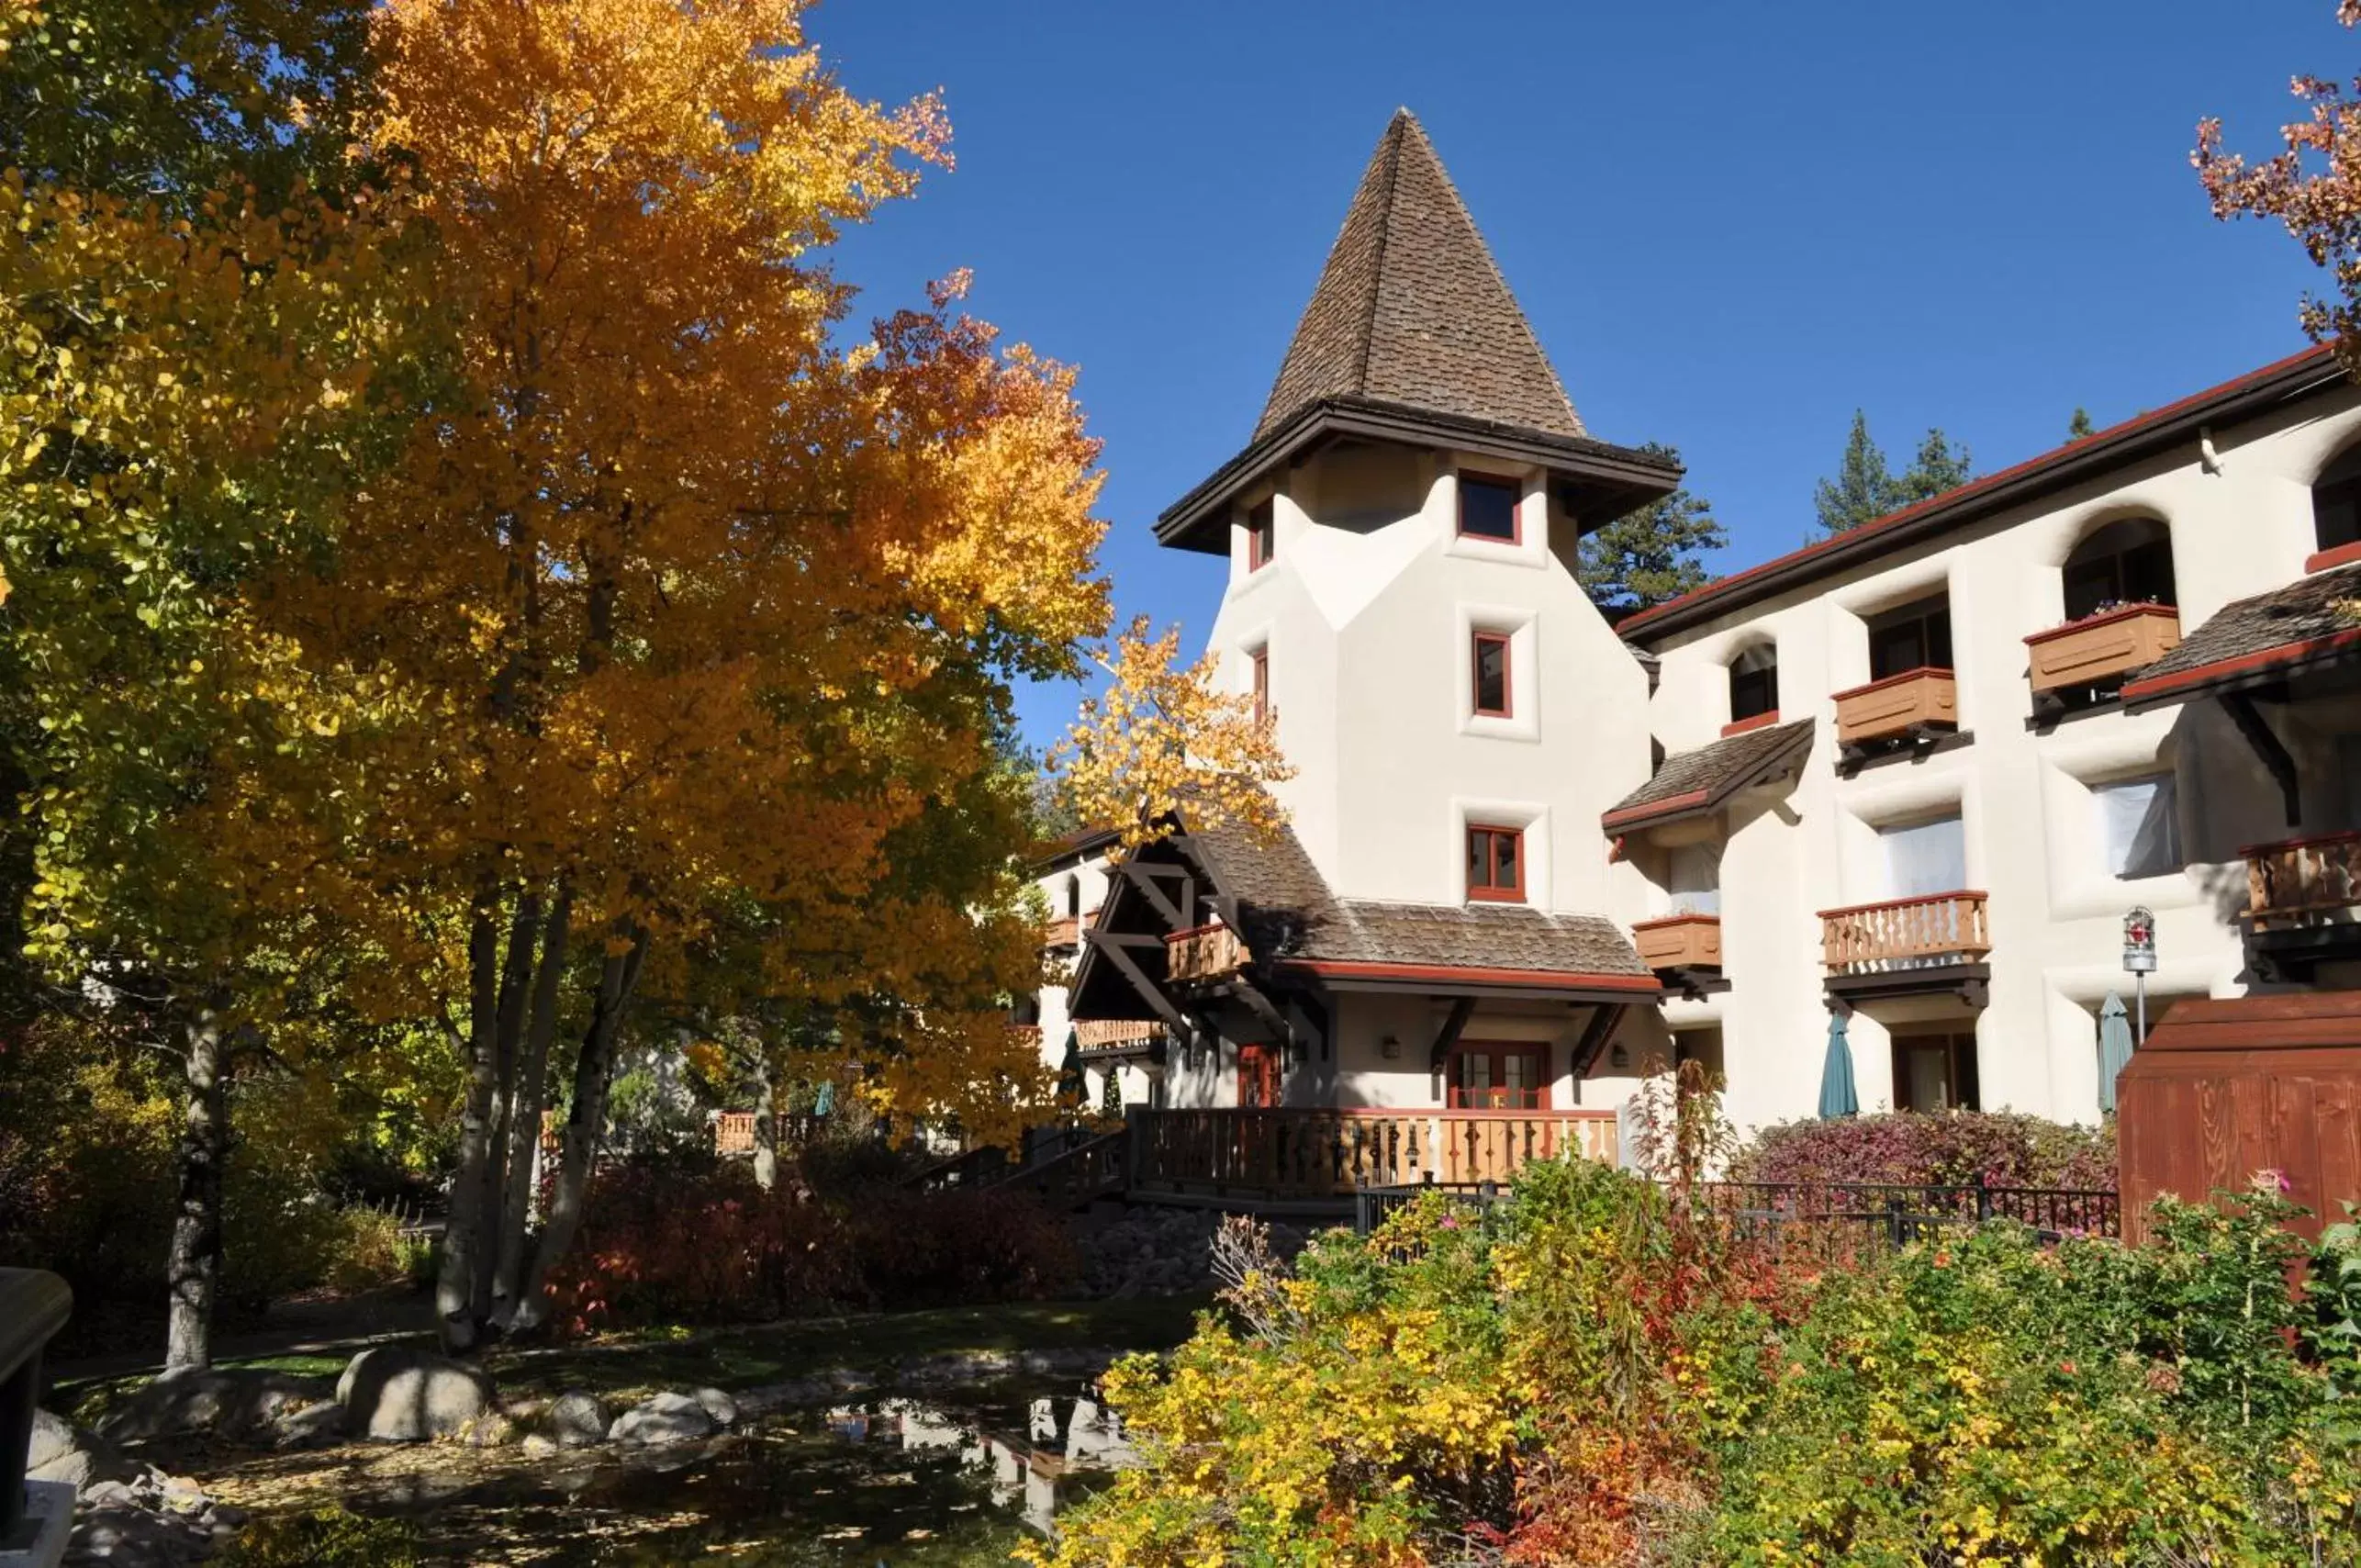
(1922, 672)
(2327, 560)
(1973, 488)
(2202, 675)
(1762, 721)
(2087, 621)
(1355, 968)
(1653, 809)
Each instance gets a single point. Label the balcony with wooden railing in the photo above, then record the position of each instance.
(2303, 881)
(2098, 650)
(1322, 1154)
(1915, 702)
(1116, 1037)
(1203, 953)
(1899, 935)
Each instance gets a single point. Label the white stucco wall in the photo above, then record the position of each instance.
(2033, 844)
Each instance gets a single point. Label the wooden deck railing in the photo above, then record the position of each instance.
(2303, 877)
(1207, 952)
(1869, 939)
(1324, 1154)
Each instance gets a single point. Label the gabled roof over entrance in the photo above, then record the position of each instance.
(1296, 931)
(1412, 336)
(2254, 641)
(1412, 311)
(1692, 783)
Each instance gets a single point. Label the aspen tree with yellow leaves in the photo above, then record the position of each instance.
(191, 333)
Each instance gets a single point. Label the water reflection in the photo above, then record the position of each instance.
(1028, 1469)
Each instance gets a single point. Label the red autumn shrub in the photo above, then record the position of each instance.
(670, 1246)
(1953, 1147)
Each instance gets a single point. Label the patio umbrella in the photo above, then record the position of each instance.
(1838, 1097)
(2114, 1047)
(825, 1100)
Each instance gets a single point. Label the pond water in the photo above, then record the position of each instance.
(902, 1482)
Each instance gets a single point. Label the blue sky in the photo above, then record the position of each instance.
(1731, 224)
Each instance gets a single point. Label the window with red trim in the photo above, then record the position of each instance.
(1488, 508)
(1497, 1077)
(1496, 864)
(1261, 685)
(1491, 663)
(1261, 536)
(1260, 1071)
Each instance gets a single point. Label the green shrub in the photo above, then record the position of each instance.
(324, 1538)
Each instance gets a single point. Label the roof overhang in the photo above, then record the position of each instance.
(1599, 480)
(2259, 392)
(2241, 672)
(1691, 803)
(1452, 979)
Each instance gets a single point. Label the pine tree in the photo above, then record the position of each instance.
(2079, 427)
(1649, 556)
(1935, 468)
(1863, 490)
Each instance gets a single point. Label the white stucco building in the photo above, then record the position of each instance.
(1910, 778)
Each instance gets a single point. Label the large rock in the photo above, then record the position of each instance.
(395, 1394)
(666, 1418)
(577, 1420)
(54, 1437)
(230, 1403)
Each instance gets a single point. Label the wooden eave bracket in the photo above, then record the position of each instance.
(1456, 1021)
(1604, 1017)
(2268, 747)
(1118, 951)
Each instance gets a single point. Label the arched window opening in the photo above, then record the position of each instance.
(2128, 562)
(1073, 897)
(1754, 684)
(2336, 503)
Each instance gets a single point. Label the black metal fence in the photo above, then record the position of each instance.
(1784, 1214)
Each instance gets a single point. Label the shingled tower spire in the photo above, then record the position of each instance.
(1411, 310)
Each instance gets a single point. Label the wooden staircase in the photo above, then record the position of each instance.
(1097, 1168)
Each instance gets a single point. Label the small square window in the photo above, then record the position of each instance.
(1488, 508)
(1496, 864)
(1261, 657)
(1491, 661)
(2138, 831)
(1261, 536)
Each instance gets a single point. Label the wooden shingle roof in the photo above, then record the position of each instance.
(1411, 310)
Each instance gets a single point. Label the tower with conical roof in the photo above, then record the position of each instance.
(1402, 529)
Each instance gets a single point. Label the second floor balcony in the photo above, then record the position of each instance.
(1931, 943)
(2303, 905)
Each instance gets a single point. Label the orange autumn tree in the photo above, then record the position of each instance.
(1164, 736)
(704, 592)
(2313, 186)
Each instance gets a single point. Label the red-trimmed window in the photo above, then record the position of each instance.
(1261, 657)
(1261, 536)
(1496, 864)
(1490, 661)
(1497, 1077)
(1488, 508)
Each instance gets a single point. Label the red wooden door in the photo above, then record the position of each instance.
(1258, 1076)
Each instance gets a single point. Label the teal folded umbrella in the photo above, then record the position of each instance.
(2114, 1047)
(1837, 1096)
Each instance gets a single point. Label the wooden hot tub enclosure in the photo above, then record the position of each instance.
(2222, 1089)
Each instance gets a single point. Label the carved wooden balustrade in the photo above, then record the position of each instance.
(1901, 933)
(1325, 1154)
(1207, 952)
(2302, 879)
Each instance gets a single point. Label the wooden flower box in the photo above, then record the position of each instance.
(1679, 942)
(1900, 705)
(2098, 648)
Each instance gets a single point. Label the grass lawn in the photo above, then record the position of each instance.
(753, 1354)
